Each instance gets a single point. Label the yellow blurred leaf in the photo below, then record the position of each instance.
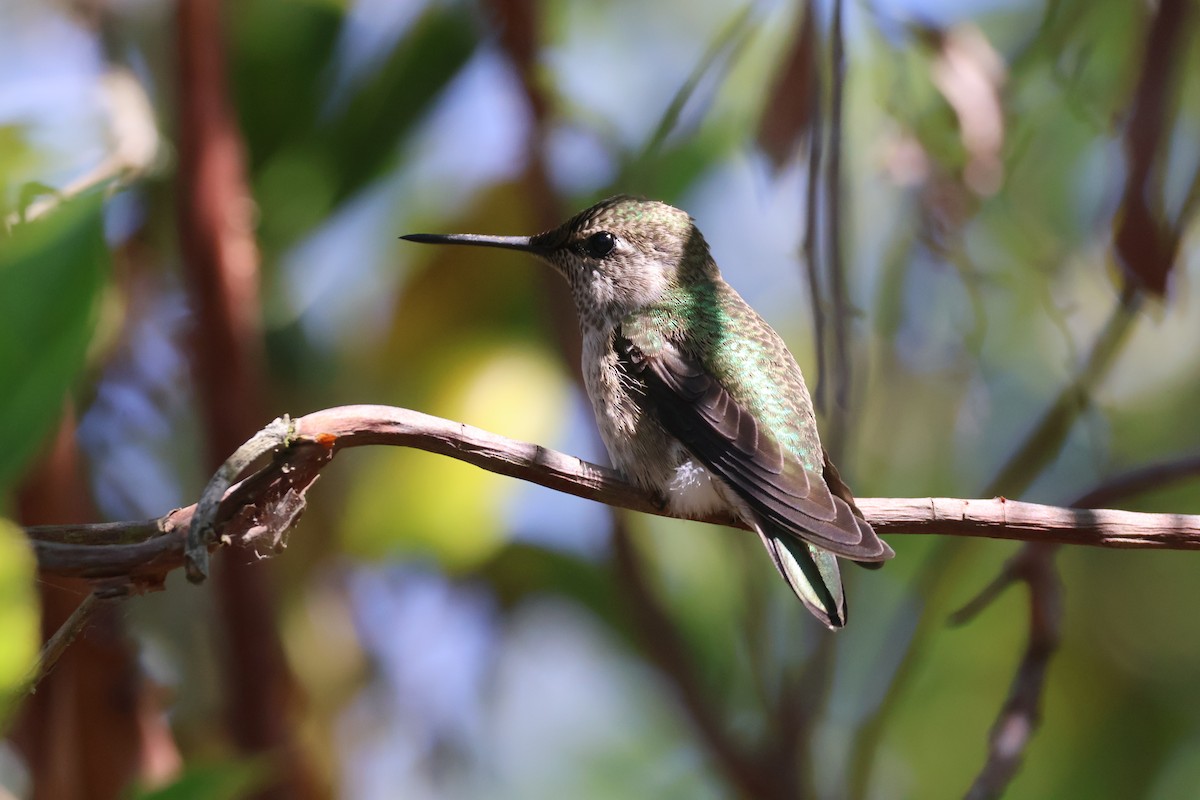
(18, 612)
(419, 502)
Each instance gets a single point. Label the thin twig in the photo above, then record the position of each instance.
(1137, 481)
(840, 369)
(57, 644)
(1036, 450)
(1146, 250)
(1147, 246)
(809, 247)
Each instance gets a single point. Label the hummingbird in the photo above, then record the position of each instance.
(696, 397)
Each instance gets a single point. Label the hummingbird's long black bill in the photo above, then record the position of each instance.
(522, 243)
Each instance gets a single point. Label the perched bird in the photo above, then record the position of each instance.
(696, 397)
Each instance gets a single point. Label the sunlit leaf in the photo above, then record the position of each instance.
(18, 614)
(415, 502)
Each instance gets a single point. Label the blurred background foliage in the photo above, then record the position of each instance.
(454, 633)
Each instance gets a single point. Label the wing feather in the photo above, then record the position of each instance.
(694, 407)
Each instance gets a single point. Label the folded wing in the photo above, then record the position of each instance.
(695, 408)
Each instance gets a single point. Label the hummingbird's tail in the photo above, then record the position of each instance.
(812, 573)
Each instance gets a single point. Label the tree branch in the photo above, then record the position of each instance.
(261, 508)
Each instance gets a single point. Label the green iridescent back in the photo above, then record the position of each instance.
(710, 321)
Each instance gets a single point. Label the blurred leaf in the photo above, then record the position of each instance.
(310, 148)
(397, 96)
(720, 57)
(51, 274)
(225, 780)
(18, 614)
(789, 109)
(279, 53)
(443, 507)
(1146, 243)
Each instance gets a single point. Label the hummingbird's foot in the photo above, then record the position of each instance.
(660, 501)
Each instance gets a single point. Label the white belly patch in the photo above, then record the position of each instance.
(692, 491)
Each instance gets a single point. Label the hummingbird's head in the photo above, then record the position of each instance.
(620, 255)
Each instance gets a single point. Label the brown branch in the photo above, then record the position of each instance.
(221, 267)
(200, 533)
(96, 724)
(261, 508)
(1000, 518)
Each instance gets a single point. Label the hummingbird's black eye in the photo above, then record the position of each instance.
(598, 245)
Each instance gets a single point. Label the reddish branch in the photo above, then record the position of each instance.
(260, 509)
(220, 256)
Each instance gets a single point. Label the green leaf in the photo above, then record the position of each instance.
(311, 151)
(51, 274)
(398, 95)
